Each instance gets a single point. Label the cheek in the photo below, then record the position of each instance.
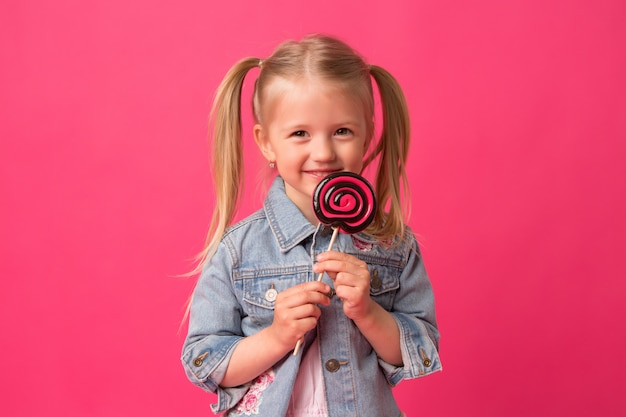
(287, 163)
(354, 158)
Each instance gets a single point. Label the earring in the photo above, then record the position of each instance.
(272, 165)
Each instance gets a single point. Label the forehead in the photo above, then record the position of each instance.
(281, 87)
(285, 94)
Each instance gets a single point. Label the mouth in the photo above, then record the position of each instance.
(322, 173)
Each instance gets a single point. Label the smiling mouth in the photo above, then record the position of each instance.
(322, 174)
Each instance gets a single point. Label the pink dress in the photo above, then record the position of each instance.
(308, 398)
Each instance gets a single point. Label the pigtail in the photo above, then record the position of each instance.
(392, 150)
(227, 154)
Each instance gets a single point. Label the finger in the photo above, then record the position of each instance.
(297, 313)
(347, 261)
(351, 288)
(354, 284)
(307, 295)
(339, 256)
(311, 286)
(293, 324)
(331, 267)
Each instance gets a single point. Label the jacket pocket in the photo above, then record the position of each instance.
(384, 282)
(259, 290)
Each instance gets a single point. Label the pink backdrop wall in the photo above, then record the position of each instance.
(519, 194)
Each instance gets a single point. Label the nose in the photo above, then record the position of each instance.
(322, 149)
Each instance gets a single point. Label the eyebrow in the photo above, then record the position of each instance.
(303, 126)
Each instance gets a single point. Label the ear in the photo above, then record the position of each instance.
(262, 141)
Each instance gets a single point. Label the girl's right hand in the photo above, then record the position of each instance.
(296, 312)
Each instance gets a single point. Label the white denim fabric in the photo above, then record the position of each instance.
(275, 248)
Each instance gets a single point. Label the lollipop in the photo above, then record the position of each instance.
(345, 201)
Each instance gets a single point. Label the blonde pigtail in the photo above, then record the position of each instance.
(227, 154)
(393, 147)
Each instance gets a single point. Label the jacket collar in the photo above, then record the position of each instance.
(287, 222)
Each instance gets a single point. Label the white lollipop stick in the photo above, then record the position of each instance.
(319, 278)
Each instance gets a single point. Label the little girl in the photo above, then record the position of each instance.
(370, 323)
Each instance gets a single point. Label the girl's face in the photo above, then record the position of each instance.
(310, 129)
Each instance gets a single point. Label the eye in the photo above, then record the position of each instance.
(299, 133)
(343, 131)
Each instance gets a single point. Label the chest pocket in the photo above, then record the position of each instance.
(384, 282)
(259, 291)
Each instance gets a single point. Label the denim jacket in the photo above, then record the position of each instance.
(274, 249)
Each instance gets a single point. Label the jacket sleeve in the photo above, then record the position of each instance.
(214, 331)
(414, 312)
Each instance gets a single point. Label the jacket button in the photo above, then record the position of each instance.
(332, 365)
(270, 295)
(200, 359)
(375, 281)
(327, 231)
(425, 359)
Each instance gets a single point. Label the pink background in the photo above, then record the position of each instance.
(517, 169)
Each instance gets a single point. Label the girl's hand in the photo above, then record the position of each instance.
(296, 312)
(352, 282)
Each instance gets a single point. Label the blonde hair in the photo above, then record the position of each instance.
(331, 60)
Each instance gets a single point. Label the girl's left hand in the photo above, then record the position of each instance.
(352, 281)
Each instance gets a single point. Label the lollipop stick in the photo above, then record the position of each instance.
(319, 278)
(330, 246)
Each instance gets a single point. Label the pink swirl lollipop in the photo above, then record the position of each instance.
(346, 201)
